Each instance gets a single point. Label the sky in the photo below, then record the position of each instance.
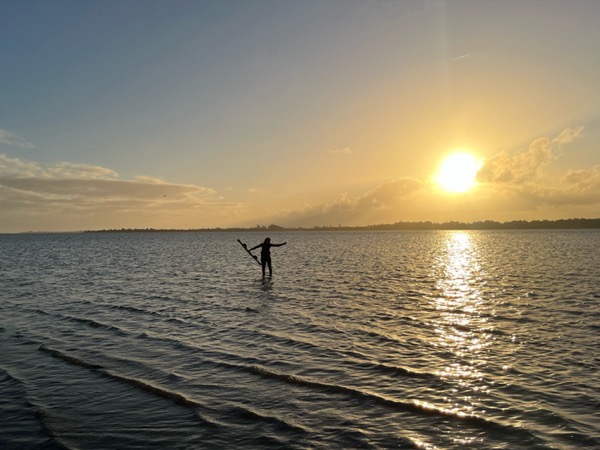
(200, 114)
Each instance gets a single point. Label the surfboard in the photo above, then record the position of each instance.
(249, 252)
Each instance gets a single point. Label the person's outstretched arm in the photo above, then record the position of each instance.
(278, 245)
(255, 247)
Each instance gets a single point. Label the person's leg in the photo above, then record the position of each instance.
(270, 269)
(263, 264)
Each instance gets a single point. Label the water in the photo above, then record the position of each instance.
(360, 340)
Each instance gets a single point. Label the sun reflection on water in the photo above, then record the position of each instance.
(461, 327)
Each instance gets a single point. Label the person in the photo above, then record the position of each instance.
(265, 254)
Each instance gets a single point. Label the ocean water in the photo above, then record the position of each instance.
(429, 340)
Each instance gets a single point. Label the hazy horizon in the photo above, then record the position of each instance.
(200, 114)
(558, 224)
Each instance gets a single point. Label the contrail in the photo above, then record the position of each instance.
(461, 57)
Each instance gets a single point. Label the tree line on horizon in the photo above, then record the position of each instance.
(427, 225)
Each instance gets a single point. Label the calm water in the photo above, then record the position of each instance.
(361, 340)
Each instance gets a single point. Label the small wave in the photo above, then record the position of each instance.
(159, 297)
(18, 393)
(111, 305)
(69, 358)
(246, 411)
(298, 343)
(209, 421)
(177, 320)
(293, 342)
(144, 385)
(175, 343)
(95, 324)
(414, 406)
(12, 379)
(380, 337)
(132, 309)
(216, 357)
(582, 440)
(397, 370)
(43, 418)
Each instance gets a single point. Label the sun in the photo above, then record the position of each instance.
(457, 172)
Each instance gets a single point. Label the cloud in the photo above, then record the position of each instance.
(584, 181)
(340, 151)
(511, 185)
(17, 167)
(370, 207)
(105, 189)
(70, 196)
(520, 179)
(389, 193)
(518, 168)
(568, 135)
(460, 57)
(79, 171)
(8, 138)
(526, 167)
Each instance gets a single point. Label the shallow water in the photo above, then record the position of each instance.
(360, 340)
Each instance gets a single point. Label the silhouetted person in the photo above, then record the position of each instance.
(265, 254)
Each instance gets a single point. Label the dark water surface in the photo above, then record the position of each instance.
(361, 340)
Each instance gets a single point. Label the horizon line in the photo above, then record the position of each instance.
(570, 223)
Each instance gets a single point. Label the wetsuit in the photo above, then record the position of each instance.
(265, 255)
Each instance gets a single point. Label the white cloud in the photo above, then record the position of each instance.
(68, 196)
(568, 135)
(460, 57)
(8, 138)
(94, 188)
(66, 170)
(17, 167)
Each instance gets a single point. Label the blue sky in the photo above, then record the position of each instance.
(140, 113)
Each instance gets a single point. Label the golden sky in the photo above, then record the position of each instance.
(193, 114)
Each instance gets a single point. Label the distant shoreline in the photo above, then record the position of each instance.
(562, 224)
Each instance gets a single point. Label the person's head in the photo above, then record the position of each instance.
(267, 240)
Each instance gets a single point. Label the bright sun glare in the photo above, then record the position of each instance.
(457, 172)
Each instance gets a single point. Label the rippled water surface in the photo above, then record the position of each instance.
(360, 340)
